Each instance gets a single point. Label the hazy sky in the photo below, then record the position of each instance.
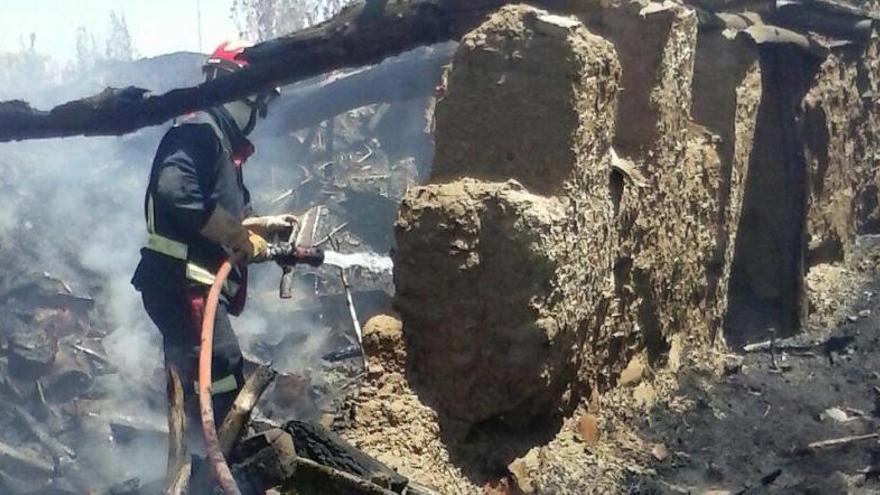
(156, 26)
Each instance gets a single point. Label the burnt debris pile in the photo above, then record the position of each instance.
(82, 389)
(62, 417)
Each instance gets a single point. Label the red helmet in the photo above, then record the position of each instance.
(227, 58)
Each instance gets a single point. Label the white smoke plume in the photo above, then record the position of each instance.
(74, 208)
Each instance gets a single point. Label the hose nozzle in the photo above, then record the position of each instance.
(286, 254)
(312, 256)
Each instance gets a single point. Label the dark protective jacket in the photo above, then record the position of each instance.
(197, 167)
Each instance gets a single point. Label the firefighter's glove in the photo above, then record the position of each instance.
(272, 224)
(224, 229)
(259, 248)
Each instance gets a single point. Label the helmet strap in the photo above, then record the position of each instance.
(252, 120)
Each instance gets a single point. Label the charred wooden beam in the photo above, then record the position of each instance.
(774, 35)
(826, 18)
(408, 76)
(59, 450)
(24, 461)
(364, 33)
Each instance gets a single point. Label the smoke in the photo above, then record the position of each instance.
(271, 331)
(74, 208)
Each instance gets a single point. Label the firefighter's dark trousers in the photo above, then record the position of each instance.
(178, 316)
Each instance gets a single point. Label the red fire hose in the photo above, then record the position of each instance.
(292, 255)
(209, 428)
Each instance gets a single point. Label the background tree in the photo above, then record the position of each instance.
(119, 45)
(259, 20)
(25, 71)
(86, 50)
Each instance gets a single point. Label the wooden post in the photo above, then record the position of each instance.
(177, 473)
(238, 415)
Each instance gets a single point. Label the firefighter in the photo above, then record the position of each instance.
(198, 213)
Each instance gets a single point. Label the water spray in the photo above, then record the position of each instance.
(372, 262)
(305, 235)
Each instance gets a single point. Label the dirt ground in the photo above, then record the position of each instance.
(747, 427)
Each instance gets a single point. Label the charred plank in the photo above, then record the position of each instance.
(314, 442)
(315, 478)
